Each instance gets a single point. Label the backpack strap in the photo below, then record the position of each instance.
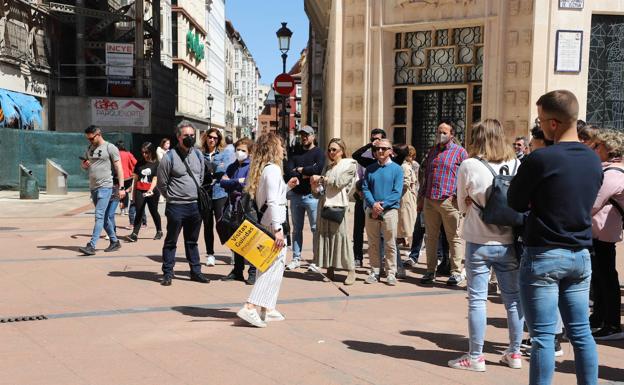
(488, 166)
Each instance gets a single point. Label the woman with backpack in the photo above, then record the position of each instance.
(332, 244)
(606, 232)
(233, 182)
(265, 185)
(488, 245)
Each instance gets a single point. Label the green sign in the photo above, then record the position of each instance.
(194, 45)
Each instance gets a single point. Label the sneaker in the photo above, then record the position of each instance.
(132, 237)
(251, 316)
(513, 360)
(409, 262)
(87, 250)
(272, 316)
(391, 280)
(210, 261)
(114, 246)
(295, 263)
(558, 349)
(428, 277)
(465, 362)
(159, 235)
(608, 333)
(526, 343)
(455, 279)
(107, 237)
(372, 278)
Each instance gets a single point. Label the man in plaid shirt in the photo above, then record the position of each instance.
(438, 200)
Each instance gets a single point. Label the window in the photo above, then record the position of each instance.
(298, 90)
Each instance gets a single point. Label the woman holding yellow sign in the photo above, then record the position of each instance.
(265, 184)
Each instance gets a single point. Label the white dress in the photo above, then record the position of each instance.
(272, 191)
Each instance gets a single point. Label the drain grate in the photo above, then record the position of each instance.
(23, 318)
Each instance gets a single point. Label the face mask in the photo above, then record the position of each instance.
(241, 155)
(443, 138)
(519, 153)
(189, 141)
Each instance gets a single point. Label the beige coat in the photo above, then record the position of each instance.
(408, 211)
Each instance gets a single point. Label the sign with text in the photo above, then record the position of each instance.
(119, 59)
(254, 244)
(569, 49)
(571, 4)
(120, 112)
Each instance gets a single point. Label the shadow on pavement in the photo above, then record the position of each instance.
(142, 275)
(303, 275)
(434, 357)
(68, 248)
(192, 311)
(456, 342)
(604, 372)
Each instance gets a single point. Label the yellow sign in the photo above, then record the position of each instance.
(254, 245)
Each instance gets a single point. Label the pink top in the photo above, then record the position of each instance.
(606, 220)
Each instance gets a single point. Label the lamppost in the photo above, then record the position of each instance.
(238, 129)
(283, 38)
(210, 101)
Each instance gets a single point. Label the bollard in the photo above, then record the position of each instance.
(29, 187)
(56, 178)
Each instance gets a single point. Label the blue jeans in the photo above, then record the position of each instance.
(105, 208)
(185, 218)
(552, 278)
(299, 206)
(501, 258)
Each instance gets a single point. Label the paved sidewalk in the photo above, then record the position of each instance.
(110, 322)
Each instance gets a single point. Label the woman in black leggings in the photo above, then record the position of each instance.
(145, 192)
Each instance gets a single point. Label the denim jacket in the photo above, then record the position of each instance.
(216, 165)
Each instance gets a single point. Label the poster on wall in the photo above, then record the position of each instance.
(569, 50)
(119, 59)
(120, 112)
(571, 4)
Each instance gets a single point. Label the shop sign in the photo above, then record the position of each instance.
(194, 45)
(120, 112)
(119, 59)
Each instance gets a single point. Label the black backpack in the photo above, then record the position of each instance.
(613, 201)
(496, 210)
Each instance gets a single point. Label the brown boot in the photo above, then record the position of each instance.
(350, 280)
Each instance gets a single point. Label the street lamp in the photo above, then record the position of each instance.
(238, 113)
(210, 101)
(283, 38)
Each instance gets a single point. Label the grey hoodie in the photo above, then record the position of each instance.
(174, 183)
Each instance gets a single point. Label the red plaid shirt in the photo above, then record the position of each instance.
(441, 171)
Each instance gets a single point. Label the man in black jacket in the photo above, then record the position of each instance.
(303, 162)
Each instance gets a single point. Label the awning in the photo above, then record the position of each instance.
(19, 109)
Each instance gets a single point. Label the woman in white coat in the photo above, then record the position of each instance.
(266, 185)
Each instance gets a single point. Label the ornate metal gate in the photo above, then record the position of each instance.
(429, 108)
(605, 89)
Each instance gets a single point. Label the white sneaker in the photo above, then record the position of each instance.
(251, 316)
(210, 261)
(295, 263)
(513, 360)
(272, 316)
(465, 362)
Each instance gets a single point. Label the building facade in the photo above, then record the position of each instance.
(189, 61)
(215, 62)
(24, 65)
(405, 64)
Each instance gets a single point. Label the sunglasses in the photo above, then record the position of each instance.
(384, 149)
(333, 149)
(213, 137)
(91, 138)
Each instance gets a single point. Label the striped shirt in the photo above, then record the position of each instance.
(441, 171)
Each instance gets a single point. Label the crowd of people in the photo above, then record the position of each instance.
(538, 219)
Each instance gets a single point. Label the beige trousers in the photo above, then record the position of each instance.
(443, 213)
(387, 228)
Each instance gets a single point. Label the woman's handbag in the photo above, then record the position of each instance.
(334, 214)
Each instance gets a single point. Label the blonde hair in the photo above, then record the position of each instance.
(341, 144)
(411, 155)
(268, 149)
(612, 140)
(488, 141)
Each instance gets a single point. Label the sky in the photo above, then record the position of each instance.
(258, 20)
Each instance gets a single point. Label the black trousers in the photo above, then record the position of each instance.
(152, 203)
(217, 211)
(185, 218)
(358, 229)
(239, 266)
(607, 299)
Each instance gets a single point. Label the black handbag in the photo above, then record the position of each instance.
(334, 214)
(204, 199)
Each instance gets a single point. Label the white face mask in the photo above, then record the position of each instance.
(241, 155)
(443, 138)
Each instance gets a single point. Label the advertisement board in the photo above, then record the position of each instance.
(120, 112)
(119, 59)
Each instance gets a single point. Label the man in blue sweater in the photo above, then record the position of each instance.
(382, 188)
(558, 184)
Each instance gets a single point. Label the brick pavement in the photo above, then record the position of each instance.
(110, 322)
